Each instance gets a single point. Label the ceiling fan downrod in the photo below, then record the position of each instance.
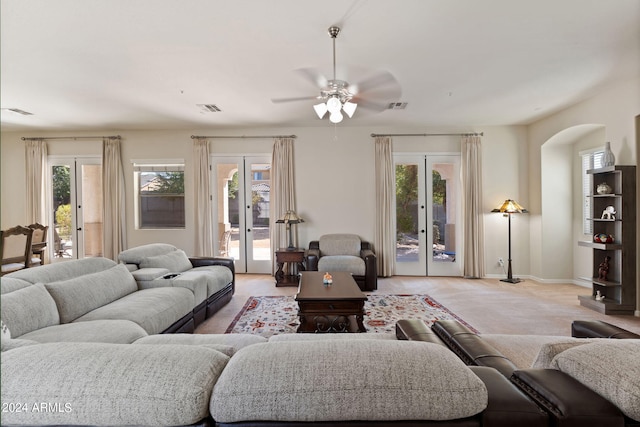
(333, 32)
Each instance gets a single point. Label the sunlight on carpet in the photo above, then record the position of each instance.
(272, 315)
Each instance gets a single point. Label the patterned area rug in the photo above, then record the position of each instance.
(271, 315)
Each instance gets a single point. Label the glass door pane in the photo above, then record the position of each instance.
(62, 217)
(90, 210)
(443, 195)
(241, 207)
(257, 196)
(410, 216)
(76, 207)
(228, 201)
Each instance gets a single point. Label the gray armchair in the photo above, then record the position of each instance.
(344, 252)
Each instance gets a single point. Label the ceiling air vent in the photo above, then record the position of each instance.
(397, 106)
(209, 108)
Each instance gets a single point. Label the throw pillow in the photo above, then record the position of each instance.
(175, 261)
(609, 367)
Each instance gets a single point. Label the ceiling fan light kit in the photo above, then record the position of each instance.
(338, 97)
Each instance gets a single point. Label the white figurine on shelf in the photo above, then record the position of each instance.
(609, 213)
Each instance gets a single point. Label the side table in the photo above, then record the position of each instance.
(295, 260)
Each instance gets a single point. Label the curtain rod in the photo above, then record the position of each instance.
(374, 135)
(244, 136)
(70, 137)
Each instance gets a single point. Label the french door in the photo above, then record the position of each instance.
(428, 216)
(75, 207)
(241, 193)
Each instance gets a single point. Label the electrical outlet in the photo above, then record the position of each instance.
(500, 262)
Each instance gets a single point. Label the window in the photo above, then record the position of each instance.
(590, 160)
(159, 194)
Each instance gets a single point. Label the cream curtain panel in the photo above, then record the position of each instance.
(114, 229)
(282, 191)
(472, 207)
(36, 169)
(385, 240)
(203, 204)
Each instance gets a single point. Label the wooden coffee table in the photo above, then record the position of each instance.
(330, 308)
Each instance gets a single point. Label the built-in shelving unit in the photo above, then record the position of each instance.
(619, 290)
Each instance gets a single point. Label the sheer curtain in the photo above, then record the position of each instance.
(283, 196)
(202, 191)
(36, 168)
(113, 192)
(385, 190)
(472, 206)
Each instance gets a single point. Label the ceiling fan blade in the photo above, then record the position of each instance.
(293, 99)
(383, 79)
(314, 76)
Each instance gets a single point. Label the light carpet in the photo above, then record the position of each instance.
(271, 315)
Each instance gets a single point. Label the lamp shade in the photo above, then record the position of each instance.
(510, 206)
(321, 109)
(290, 217)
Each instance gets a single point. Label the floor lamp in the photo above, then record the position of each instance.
(508, 208)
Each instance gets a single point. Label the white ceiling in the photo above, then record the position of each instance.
(145, 64)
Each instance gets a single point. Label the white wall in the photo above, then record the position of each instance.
(334, 169)
(614, 110)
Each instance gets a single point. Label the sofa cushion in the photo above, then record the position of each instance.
(137, 254)
(228, 344)
(351, 264)
(154, 309)
(28, 309)
(218, 276)
(174, 261)
(340, 244)
(522, 350)
(331, 337)
(608, 367)
(79, 295)
(343, 380)
(147, 274)
(10, 284)
(550, 350)
(111, 384)
(17, 343)
(64, 270)
(110, 331)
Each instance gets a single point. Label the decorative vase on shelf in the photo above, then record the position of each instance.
(608, 159)
(604, 188)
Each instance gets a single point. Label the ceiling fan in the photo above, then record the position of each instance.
(337, 96)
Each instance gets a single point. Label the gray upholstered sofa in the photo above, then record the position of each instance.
(212, 280)
(96, 299)
(289, 380)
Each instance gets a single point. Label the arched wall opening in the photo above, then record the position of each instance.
(562, 200)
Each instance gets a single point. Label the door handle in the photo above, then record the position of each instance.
(248, 230)
(79, 229)
(422, 231)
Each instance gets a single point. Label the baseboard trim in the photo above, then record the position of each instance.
(579, 282)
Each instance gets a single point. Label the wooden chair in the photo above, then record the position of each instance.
(15, 248)
(38, 243)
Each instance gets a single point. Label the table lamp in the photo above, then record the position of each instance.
(290, 218)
